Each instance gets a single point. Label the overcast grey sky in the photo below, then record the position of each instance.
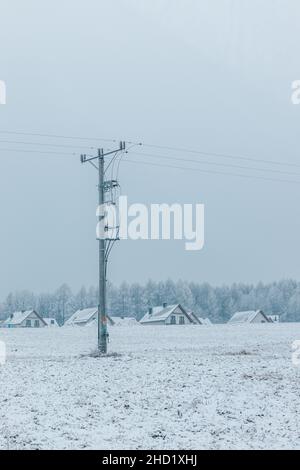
(213, 75)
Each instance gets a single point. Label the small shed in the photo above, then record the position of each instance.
(250, 316)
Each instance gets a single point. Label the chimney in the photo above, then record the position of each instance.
(150, 310)
(11, 316)
(165, 305)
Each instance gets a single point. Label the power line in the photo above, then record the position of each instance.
(166, 165)
(212, 172)
(42, 144)
(216, 163)
(164, 147)
(159, 157)
(177, 149)
(56, 136)
(37, 151)
(220, 155)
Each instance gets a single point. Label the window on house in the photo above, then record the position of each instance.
(52, 322)
(173, 320)
(181, 320)
(28, 323)
(36, 324)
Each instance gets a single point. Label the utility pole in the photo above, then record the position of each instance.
(102, 321)
(104, 240)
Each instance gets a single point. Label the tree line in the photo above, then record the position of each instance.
(216, 303)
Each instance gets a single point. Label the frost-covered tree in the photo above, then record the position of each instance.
(184, 295)
(217, 303)
(138, 303)
(63, 297)
(81, 299)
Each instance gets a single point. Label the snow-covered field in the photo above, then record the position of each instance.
(185, 387)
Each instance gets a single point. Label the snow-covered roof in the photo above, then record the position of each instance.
(82, 316)
(246, 317)
(50, 321)
(205, 321)
(124, 321)
(160, 314)
(17, 318)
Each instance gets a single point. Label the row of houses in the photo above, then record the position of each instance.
(177, 315)
(162, 315)
(32, 319)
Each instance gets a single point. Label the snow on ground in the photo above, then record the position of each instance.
(176, 387)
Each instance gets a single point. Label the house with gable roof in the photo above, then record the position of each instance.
(85, 317)
(168, 315)
(24, 319)
(250, 316)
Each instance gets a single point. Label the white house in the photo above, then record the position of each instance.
(24, 319)
(250, 316)
(85, 317)
(51, 322)
(167, 315)
(124, 321)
